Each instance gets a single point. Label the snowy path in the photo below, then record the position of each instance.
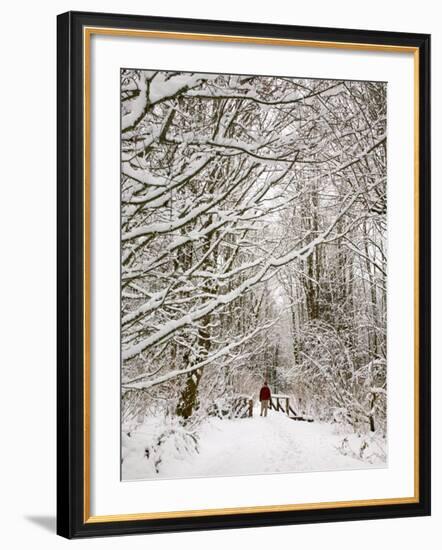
(255, 445)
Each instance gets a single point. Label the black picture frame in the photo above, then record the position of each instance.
(72, 392)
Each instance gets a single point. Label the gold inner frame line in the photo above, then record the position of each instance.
(87, 33)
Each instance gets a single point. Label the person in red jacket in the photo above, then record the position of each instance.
(264, 397)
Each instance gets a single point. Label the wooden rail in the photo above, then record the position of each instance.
(241, 406)
(276, 403)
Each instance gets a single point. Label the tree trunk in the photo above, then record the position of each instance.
(189, 397)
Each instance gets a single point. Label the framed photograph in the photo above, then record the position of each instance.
(243, 274)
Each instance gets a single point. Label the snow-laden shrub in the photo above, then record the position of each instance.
(369, 447)
(335, 384)
(155, 442)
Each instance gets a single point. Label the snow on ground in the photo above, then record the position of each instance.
(275, 444)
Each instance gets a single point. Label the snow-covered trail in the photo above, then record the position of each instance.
(274, 444)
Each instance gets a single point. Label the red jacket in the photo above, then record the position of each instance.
(264, 394)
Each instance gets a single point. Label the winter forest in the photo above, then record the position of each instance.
(253, 248)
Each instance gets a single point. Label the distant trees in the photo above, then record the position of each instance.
(253, 241)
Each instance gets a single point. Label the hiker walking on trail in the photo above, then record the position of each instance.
(264, 397)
